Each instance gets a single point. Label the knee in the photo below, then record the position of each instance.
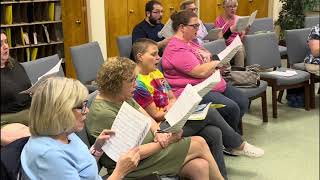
(200, 165)
(199, 143)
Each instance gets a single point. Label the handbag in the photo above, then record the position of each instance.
(248, 77)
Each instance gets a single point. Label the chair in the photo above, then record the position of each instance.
(208, 26)
(124, 45)
(297, 50)
(311, 21)
(37, 68)
(265, 25)
(87, 59)
(262, 49)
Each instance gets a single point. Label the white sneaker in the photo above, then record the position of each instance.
(249, 150)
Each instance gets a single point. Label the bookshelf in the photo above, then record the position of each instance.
(33, 28)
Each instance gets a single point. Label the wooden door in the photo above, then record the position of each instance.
(75, 29)
(116, 13)
(261, 6)
(136, 13)
(243, 8)
(169, 6)
(208, 10)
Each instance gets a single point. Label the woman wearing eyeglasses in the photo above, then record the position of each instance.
(58, 110)
(185, 62)
(227, 21)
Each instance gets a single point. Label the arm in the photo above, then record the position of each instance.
(203, 70)
(314, 47)
(172, 100)
(155, 112)
(163, 43)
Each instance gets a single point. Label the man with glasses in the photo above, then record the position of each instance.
(202, 31)
(151, 25)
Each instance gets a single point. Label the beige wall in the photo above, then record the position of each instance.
(96, 24)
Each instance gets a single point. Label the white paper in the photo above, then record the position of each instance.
(227, 54)
(252, 17)
(205, 86)
(130, 127)
(200, 115)
(286, 73)
(244, 21)
(167, 30)
(181, 110)
(53, 70)
(51, 73)
(213, 34)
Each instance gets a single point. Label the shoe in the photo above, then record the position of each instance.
(228, 152)
(249, 150)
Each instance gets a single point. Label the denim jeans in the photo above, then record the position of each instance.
(217, 133)
(236, 104)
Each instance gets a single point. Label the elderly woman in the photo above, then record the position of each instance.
(57, 111)
(227, 21)
(163, 153)
(185, 62)
(14, 106)
(154, 94)
(312, 60)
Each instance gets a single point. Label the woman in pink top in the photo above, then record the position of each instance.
(227, 21)
(186, 62)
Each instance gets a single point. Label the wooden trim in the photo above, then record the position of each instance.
(106, 14)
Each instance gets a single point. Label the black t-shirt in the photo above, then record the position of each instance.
(14, 81)
(146, 30)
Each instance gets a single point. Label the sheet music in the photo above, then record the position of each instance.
(205, 86)
(51, 73)
(130, 127)
(244, 21)
(181, 110)
(167, 30)
(252, 17)
(213, 34)
(227, 54)
(200, 115)
(286, 73)
(53, 70)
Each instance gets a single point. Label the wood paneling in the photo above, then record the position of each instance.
(75, 29)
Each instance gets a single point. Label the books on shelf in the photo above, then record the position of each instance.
(130, 127)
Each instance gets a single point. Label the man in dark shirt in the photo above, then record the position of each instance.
(151, 25)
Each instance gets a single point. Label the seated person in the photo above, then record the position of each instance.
(190, 5)
(57, 111)
(14, 106)
(312, 60)
(227, 21)
(164, 153)
(154, 94)
(151, 25)
(185, 62)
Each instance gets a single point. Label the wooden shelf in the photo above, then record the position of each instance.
(37, 45)
(29, 24)
(29, 1)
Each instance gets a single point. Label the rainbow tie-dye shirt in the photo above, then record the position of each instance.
(152, 88)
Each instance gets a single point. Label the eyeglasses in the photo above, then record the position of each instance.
(193, 9)
(195, 26)
(232, 7)
(158, 12)
(3, 42)
(83, 107)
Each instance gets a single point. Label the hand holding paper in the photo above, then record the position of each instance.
(245, 21)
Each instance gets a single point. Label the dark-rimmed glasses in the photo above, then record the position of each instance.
(83, 107)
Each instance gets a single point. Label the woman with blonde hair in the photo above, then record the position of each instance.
(58, 110)
(227, 21)
(161, 153)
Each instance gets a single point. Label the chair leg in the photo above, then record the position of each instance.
(264, 107)
(280, 96)
(312, 93)
(274, 103)
(306, 97)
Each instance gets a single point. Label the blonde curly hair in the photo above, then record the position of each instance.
(113, 72)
